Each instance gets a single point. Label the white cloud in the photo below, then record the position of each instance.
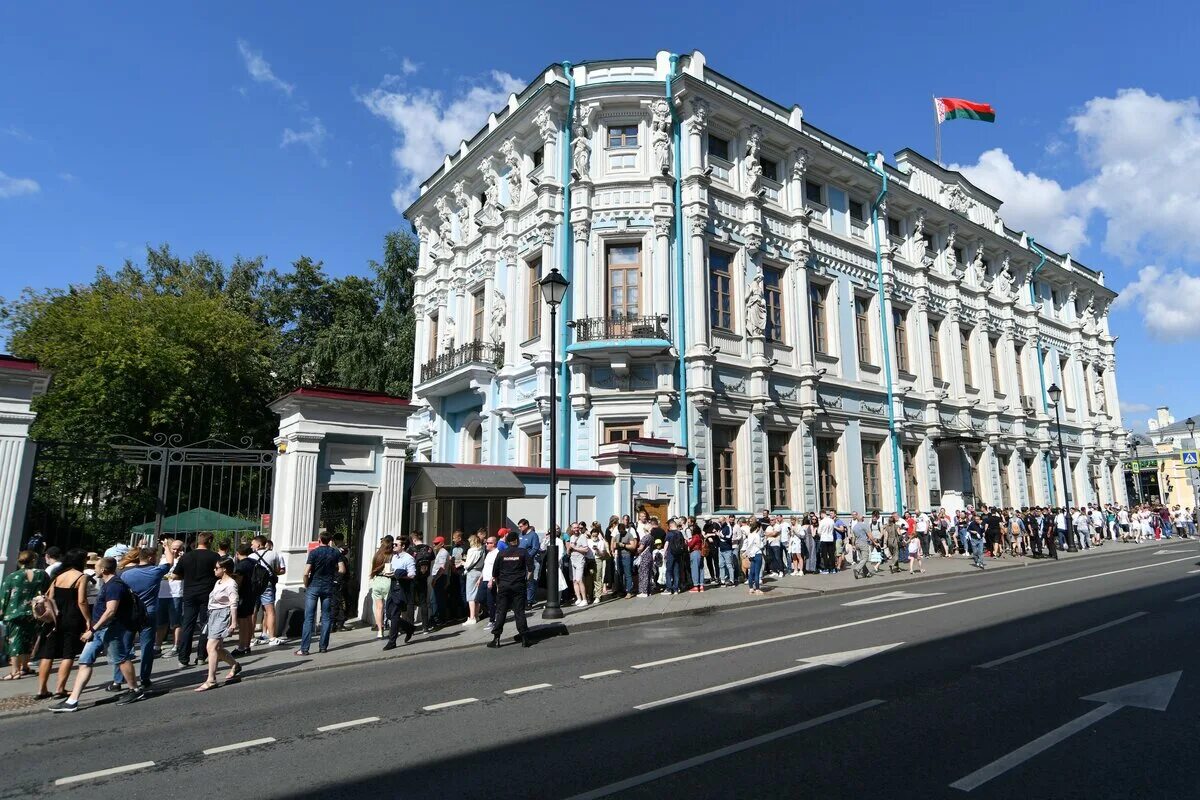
(15, 187)
(67, 177)
(260, 70)
(429, 124)
(1144, 151)
(312, 137)
(16, 133)
(1135, 408)
(1032, 203)
(408, 66)
(1167, 301)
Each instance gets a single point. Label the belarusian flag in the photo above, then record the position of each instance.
(953, 108)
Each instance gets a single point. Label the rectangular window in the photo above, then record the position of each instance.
(872, 495)
(827, 473)
(434, 333)
(781, 475)
(910, 478)
(770, 168)
(621, 431)
(533, 300)
(718, 147)
(964, 350)
(814, 192)
(958, 255)
(622, 136)
(720, 297)
(895, 228)
(773, 293)
(533, 449)
(994, 355)
(816, 311)
(930, 245)
(1021, 372)
(1068, 397)
(725, 466)
(538, 156)
(1005, 491)
(900, 323)
(477, 315)
(1029, 483)
(624, 281)
(862, 329)
(857, 212)
(935, 350)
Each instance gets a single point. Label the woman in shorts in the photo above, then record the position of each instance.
(381, 580)
(221, 604)
(473, 569)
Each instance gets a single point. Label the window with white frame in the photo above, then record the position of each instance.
(622, 146)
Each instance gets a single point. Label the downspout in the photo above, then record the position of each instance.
(883, 327)
(680, 327)
(564, 426)
(1037, 343)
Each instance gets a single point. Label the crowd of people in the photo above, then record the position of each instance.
(74, 607)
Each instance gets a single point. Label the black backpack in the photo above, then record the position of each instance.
(676, 543)
(133, 616)
(423, 555)
(262, 578)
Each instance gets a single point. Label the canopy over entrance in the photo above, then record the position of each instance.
(199, 519)
(439, 483)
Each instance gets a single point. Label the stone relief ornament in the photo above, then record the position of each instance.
(756, 307)
(660, 136)
(546, 124)
(582, 229)
(698, 122)
(1098, 391)
(956, 199)
(799, 164)
(512, 159)
(445, 226)
(459, 190)
(662, 227)
(753, 166)
(581, 144)
(491, 188)
(499, 316)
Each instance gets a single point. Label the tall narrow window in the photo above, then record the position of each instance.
(475, 454)
(624, 281)
(816, 311)
(1005, 492)
(935, 350)
(1029, 482)
(857, 211)
(773, 294)
(827, 473)
(434, 333)
(770, 168)
(862, 329)
(781, 475)
(533, 300)
(1068, 396)
(477, 314)
(720, 299)
(533, 448)
(814, 192)
(1087, 392)
(725, 466)
(964, 349)
(1021, 371)
(900, 323)
(895, 228)
(538, 156)
(910, 478)
(872, 494)
(994, 356)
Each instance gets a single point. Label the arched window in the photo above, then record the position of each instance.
(475, 443)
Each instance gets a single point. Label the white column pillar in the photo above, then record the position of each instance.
(16, 474)
(299, 506)
(660, 283)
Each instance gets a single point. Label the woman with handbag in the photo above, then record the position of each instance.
(600, 555)
(473, 570)
(16, 609)
(381, 581)
(61, 635)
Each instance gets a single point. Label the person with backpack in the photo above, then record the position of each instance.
(16, 592)
(221, 605)
(114, 616)
(144, 581)
(265, 554)
(423, 556)
(253, 578)
(677, 550)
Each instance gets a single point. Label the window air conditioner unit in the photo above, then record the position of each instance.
(1027, 404)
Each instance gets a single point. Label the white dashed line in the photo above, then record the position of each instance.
(337, 726)
(225, 748)
(1047, 645)
(1189, 597)
(103, 773)
(523, 689)
(604, 674)
(451, 704)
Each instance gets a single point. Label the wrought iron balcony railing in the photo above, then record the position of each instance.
(485, 353)
(599, 329)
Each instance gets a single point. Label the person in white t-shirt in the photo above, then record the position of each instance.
(170, 600)
(487, 579)
(825, 541)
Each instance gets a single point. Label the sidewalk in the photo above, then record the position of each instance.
(360, 646)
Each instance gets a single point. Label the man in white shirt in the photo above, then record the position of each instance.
(404, 571)
(487, 578)
(825, 539)
(273, 564)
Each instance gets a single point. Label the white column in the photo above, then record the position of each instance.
(660, 283)
(16, 473)
(299, 503)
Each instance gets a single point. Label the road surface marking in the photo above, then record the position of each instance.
(524, 689)
(897, 614)
(695, 761)
(1169, 552)
(604, 674)
(225, 748)
(891, 597)
(451, 704)
(1154, 694)
(731, 685)
(103, 773)
(1039, 648)
(1189, 597)
(1193, 571)
(337, 726)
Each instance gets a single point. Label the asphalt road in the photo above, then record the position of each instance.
(746, 703)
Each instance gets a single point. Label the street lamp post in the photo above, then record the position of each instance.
(554, 289)
(1192, 471)
(1055, 393)
(1137, 473)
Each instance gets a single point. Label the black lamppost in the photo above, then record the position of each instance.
(1137, 473)
(1055, 394)
(554, 289)
(1191, 426)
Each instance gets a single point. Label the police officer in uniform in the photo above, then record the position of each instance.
(404, 571)
(511, 576)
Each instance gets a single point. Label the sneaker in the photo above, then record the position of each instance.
(168, 652)
(469, 623)
(64, 705)
(643, 595)
(276, 642)
(238, 652)
(131, 697)
(114, 687)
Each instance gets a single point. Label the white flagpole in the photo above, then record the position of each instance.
(937, 132)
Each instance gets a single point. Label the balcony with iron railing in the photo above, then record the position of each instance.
(458, 368)
(619, 333)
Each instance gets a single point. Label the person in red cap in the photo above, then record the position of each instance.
(439, 582)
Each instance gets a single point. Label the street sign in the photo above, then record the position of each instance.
(1190, 458)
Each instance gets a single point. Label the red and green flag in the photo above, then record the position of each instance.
(954, 108)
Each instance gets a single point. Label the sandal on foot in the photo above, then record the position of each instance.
(204, 687)
(42, 696)
(12, 676)
(232, 677)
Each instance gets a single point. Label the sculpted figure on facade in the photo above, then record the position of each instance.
(491, 189)
(546, 125)
(660, 136)
(1005, 282)
(459, 190)
(445, 227)
(799, 167)
(512, 159)
(756, 307)
(1098, 391)
(753, 166)
(581, 145)
(698, 121)
(498, 318)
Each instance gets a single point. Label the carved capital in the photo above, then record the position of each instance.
(547, 124)
(698, 122)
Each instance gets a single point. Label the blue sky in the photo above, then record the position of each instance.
(287, 129)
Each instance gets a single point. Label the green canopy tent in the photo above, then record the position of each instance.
(196, 520)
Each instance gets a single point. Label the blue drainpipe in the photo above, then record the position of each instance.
(883, 329)
(564, 426)
(1037, 343)
(680, 327)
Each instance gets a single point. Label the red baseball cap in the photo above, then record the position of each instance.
(439, 540)
(500, 534)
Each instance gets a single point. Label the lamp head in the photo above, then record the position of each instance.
(554, 287)
(1191, 426)
(1055, 393)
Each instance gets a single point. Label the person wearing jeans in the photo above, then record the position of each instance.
(323, 563)
(675, 554)
(696, 553)
(196, 569)
(752, 546)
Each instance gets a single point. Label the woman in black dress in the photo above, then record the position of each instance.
(64, 639)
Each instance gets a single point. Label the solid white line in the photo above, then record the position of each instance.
(524, 689)
(1038, 745)
(732, 685)
(604, 674)
(1039, 648)
(695, 761)
(1193, 571)
(897, 614)
(451, 704)
(225, 748)
(1189, 597)
(337, 726)
(103, 773)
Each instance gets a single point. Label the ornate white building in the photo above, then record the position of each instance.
(721, 344)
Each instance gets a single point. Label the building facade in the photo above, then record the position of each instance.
(1157, 471)
(729, 337)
